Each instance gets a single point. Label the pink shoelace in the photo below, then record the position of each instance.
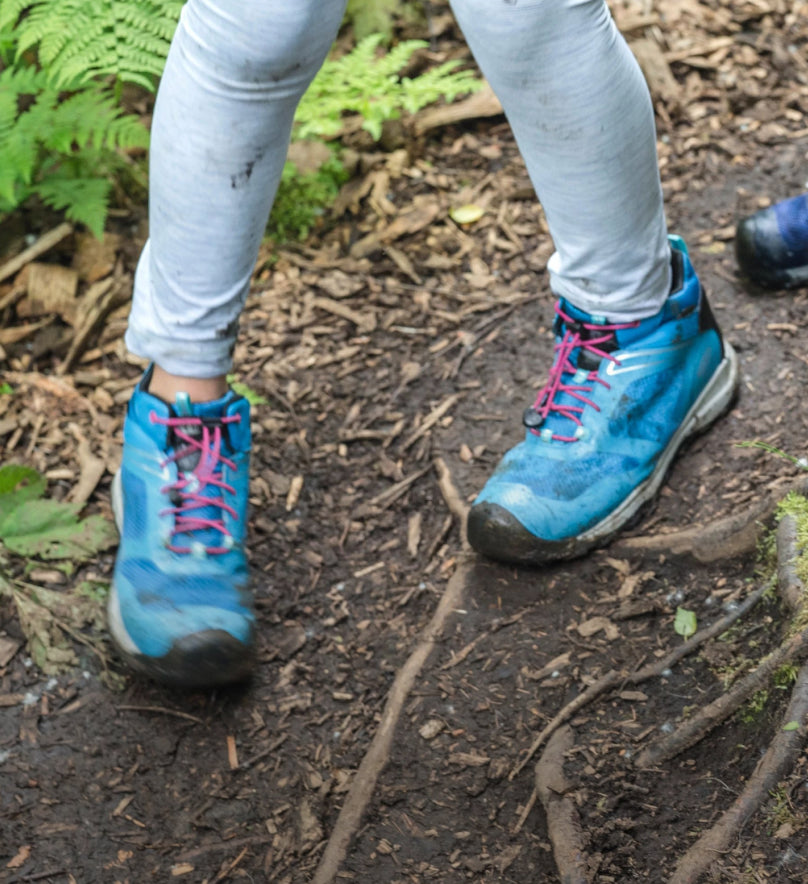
(189, 487)
(546, 402)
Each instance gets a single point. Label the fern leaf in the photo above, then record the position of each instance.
(10, 11)
(82, 199)
(78, 40)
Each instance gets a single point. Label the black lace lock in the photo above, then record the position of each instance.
(532, 419)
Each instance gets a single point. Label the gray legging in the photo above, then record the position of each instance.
(574, 95)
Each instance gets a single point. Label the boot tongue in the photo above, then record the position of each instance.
(183, 408)
(207, 411)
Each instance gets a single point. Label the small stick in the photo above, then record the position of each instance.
(563, 822)
(531, 803)
(778, 760)
(613, 678)
(45, 243)
(163, 711)
(430, 420)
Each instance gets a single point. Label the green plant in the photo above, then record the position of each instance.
(62, 66)
(34, 527)
(61, 124)
(372, 17)
(80, 40)
(302, 198)
(754, 706)
(61, 147)
(786, 675)
(367, 83)
(244, 390)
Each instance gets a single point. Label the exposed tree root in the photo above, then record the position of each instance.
(614, 678)
(376, 757)
(775, 764)
(696, 728)
(789, 585)
(563, 821)
(725, 538)
(787, 742)
(364, 783)
(454, 501)
(796, 648)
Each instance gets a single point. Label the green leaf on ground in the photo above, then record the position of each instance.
(47, 529)
(791, 726)
(247, 392)
(685, 623)
(17, 485)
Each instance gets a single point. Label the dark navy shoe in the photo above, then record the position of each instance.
(620, 401)
(180, 609)
(771, 246)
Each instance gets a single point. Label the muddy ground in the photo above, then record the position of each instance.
(374, 361)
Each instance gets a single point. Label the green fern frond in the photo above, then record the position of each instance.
(10, 11)
(368, 83)
(84, 200)
(79, 40)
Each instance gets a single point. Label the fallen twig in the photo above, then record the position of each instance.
(45, 242)
(563, 821)
(431, 419)
(614, 678)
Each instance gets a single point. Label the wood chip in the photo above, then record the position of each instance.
(8, 648)
(51, 288)
(295, 487)
(232, 752)
(597, 624)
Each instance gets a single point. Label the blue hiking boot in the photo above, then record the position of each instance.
(180, 609)
(619, 402)
(771, 246)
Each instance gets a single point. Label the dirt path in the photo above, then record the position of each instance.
(373, 362)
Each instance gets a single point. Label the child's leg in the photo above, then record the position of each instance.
(580, 110)
(640, 363)
(180, 607)
(235, 74)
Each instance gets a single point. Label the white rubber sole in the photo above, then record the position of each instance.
(114, 619)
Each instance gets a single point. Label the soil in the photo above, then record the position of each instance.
(373, 362)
